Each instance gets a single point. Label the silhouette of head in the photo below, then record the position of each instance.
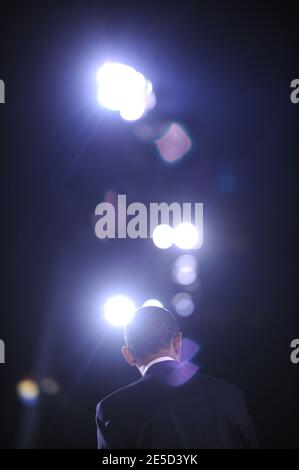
(153, 332)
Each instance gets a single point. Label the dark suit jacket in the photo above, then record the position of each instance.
(172, 407)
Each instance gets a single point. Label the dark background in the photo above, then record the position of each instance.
(223, 70)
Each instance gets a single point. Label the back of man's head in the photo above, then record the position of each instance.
(151, 331)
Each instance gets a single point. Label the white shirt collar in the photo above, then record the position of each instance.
(144, 369)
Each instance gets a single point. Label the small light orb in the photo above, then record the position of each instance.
(185, 276)
(184, 270)
(174, 144)
(28, 391)
(49, 386)
(183, 304)
(186, 261)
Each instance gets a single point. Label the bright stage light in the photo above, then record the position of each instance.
(163, 236)
(119, 310)
(152, 303)
(123, 89)
(186, 236)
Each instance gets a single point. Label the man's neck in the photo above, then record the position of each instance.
(144, 368)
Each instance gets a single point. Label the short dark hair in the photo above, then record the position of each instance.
(151, 330)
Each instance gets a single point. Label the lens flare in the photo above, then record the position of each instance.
(183, 304)
(184, 270)
(49, 386)
(28, 391)
(174, 144)
(186, 261)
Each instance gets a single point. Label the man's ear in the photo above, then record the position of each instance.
(177, 345)
(128, 356)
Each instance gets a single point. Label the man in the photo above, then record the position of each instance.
(171, 406)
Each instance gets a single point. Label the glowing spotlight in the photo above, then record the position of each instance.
(119, 310)
(152, 303)
(123, 89)
(163, 236)
(28, 391)
(49, 386)
(186, 236)
(116, 82)
(183, 304)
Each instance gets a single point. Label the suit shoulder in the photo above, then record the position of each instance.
(115, 400)
(221, 386)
